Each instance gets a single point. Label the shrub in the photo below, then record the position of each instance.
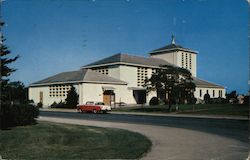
(219, 100)
(59, 105)
(40, 105)
(18, 115)
(192, 100)
(154, 101)
(207, 98)
(246, 100)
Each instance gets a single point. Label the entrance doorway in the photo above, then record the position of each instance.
(41, 97)
(108, 97)
(140, 96)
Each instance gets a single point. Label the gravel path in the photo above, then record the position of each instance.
(175, 143)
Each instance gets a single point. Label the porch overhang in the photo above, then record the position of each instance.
(136, 88)
(105, 88)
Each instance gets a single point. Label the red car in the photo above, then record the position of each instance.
(94, 107)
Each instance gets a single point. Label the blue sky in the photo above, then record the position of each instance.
(53, 36)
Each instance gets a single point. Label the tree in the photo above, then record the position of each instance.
(5, 69)
(232, 97)
(18, 93)
(174, 83)
(207, 98)
(72, 98)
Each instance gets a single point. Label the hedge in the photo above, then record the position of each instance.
(18, 115)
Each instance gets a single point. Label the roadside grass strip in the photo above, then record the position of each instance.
(206, 109)
(62, 141)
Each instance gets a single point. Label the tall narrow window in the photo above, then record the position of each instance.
(200, 93)
(213, 94)
(186, 61)
(190, 61)
(41, 97)
(220, 93)
(182, 60)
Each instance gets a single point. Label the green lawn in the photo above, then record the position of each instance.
(207, 109)
(61, 141)
(216, 109)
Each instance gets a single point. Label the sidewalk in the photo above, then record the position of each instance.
(173, 114)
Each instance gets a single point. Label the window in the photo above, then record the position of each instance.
(182, 60)
(213, 94)
(200, 93)
(102, 70)
(186, 60)
(142, 73)
(220, 93)
(190, 61)
(57, 90)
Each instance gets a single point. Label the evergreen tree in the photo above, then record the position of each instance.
(207, 98)
(5, 69)
(72, 98)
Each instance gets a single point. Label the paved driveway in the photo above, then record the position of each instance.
(170, 143)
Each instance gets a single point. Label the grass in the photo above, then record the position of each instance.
(206, 109)
(61, 141)
(150, 109)
(216, 109)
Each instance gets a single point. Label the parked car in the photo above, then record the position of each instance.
(94, 107)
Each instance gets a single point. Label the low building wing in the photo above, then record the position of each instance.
(205, 84)
(83, 75)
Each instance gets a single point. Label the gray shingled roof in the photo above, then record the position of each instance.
(203, 83)
(170, 47)
(128, 59)
(83, 75)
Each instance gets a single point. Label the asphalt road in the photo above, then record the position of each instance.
(237, 129)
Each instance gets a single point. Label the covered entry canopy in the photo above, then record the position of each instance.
(107, 88)
(136, 88)
(139, 94)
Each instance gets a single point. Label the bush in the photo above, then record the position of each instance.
(246, 100)
(192, 100)
(154, 101)
(40, 105)
(59, 105)
(207, 98)
(18, 115)
(219, 100)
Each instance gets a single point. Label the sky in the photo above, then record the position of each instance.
(54, 36)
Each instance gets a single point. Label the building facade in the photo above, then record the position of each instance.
(120, 78)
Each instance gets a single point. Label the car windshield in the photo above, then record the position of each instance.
(100, 103)
(89, 103)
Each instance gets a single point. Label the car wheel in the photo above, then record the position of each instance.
(95, 111)
(104, 111)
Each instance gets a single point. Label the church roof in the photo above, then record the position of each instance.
(170, 48)
(128, 60)
(205, 84)
(83, 75)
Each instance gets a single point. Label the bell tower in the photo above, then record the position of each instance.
(177, 55)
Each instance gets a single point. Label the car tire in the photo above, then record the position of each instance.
(94, 111)
(104, 111)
